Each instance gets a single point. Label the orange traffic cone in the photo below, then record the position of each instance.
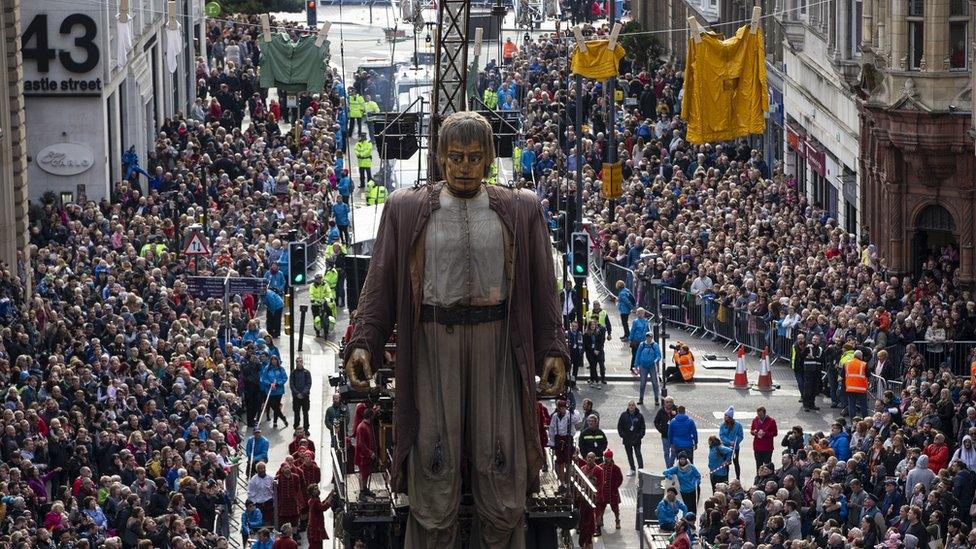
(741, 380)
(765, 373)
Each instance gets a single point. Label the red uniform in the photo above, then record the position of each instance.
(587, 523)
(296, 444)
(316, 522)
(291, 497)
(608, 492)
(543, 423)
(365, 451)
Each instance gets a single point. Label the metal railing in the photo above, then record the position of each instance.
(707, 316)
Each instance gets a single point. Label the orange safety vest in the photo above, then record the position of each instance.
(686, 365)
(856, 381)
(972, 372)
(508, 51)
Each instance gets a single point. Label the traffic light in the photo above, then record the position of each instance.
(579, 264)
(297, 263)
(561, 232)
(310, 13)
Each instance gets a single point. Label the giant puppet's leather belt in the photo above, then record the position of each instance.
(463, 315)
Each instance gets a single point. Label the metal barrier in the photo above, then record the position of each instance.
(958, 355)
(706, 316)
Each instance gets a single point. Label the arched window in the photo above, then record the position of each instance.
(935, 218)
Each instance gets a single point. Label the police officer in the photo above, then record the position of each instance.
(370, 107)
(357, 107)
(364, 158)
(332, 279)
(319, 294)
(375, 194)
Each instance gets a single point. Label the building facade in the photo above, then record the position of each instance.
(13, 181)
(917, 131)
(822, 146)
(84, 105)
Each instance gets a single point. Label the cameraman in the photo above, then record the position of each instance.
(684, 365)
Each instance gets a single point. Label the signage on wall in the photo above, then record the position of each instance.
(65, 159)
(816, 157)
(62, 52)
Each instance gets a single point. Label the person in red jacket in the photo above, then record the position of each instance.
(938, 453)
(289, 494)
(763, 436)
(316, 517)
(681, 539)
(587, 524)
(365, 450)
(285, 541)
(543, 429)
(608, 493)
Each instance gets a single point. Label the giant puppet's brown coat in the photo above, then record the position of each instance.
(391, 296)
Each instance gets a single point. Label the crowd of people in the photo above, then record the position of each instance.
(131, 403)
(129, 397)
(735, 233)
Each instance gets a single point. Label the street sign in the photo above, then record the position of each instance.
(206, 287)
(196, 245)
(212, 9)
(247, 285)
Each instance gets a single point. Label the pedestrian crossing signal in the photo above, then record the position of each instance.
(297, 263)
(579, 263)
(310, 13)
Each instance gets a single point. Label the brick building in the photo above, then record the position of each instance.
(917, 152)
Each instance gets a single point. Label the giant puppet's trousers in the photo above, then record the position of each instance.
(469, 401)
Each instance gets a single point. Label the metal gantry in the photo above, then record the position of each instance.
(450, 70)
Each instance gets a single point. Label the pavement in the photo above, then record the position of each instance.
(706, 399)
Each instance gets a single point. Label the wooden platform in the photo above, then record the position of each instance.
(654, 538)
(547, 500)
(378, 504)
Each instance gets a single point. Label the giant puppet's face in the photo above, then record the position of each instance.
(465, 166)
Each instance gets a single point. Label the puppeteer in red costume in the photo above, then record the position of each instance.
(464, 272)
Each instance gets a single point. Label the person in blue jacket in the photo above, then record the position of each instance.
(273, 378)
(345, 186)
(625, 304)
(719, 458)
(730, 432)
(251, 519)
(639, 328)
(840, 442)
(256, 450)
(689, 479)
(340, 211)
(683, 434)
(669, 510)
(275, 305)
(646, 360)
(276, 279)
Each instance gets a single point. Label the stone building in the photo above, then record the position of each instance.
(821, 59)
(13, 183)
(917, 149)
(86, 102)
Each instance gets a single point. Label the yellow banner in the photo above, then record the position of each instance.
(612, 180)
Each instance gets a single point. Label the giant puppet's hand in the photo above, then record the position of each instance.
(553, 379)
(359, 369)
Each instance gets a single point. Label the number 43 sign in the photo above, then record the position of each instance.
(61, 57)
